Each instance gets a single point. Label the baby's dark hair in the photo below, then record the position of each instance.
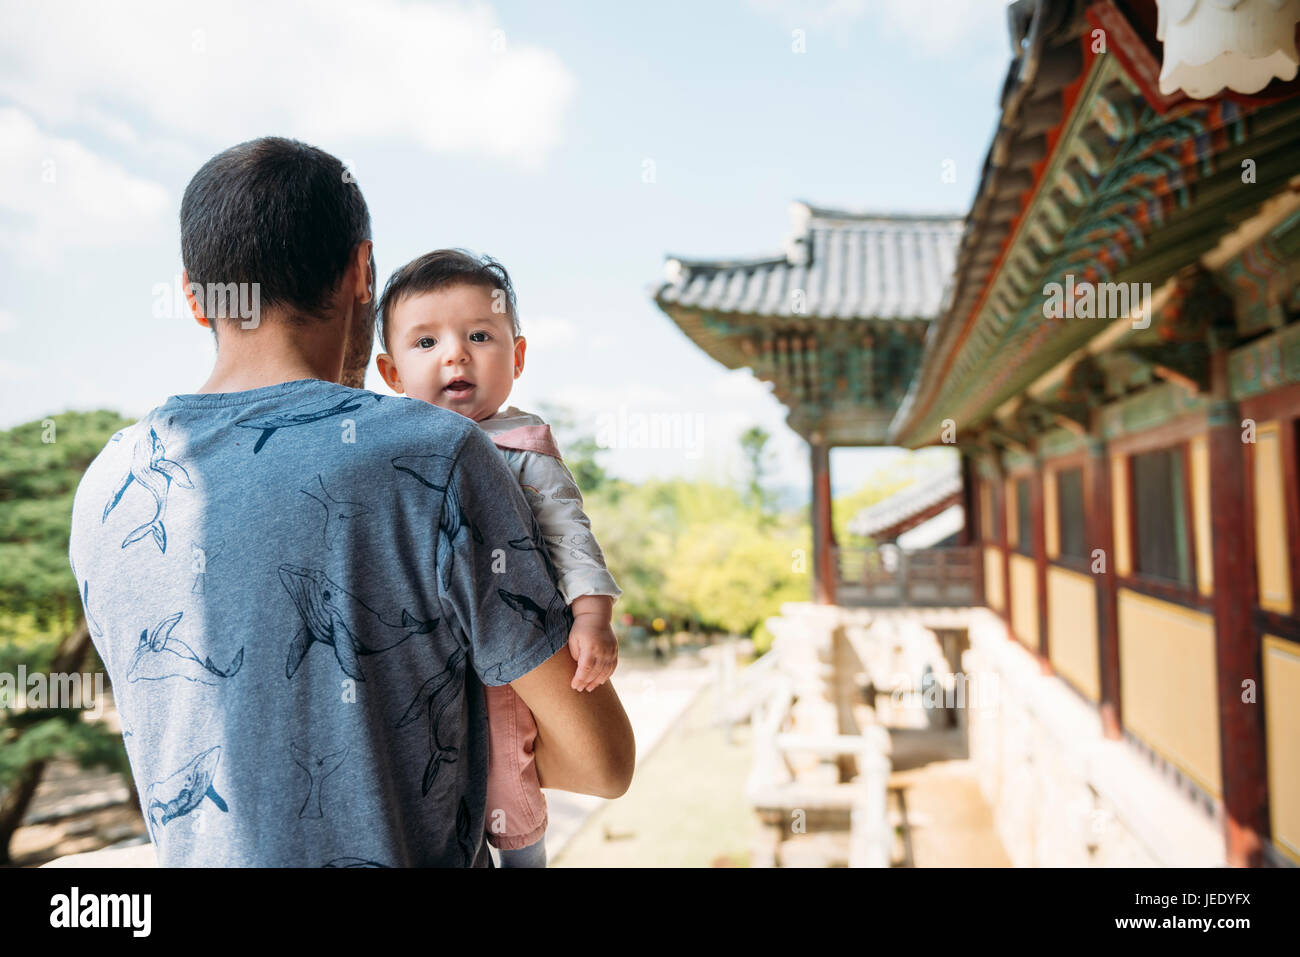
(440, 269)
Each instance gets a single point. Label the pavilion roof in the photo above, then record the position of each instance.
(837, 264)
(836, 321)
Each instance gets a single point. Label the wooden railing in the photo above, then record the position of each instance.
(891, 576)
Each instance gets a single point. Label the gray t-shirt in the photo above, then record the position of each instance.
(297, 591)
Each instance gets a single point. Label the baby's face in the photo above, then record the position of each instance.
(450, 348)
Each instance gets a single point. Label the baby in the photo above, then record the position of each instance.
(450, 335)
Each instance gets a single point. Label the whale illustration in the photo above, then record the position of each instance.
(183, 791)
(336, 512)
(336, 617)
(268, 425)
(155, 473)
(318, 768)
(432, 700)
(422, 468)
(531, 612)
(159, 655)
(464, 834)
(95, 630)
(349, 862)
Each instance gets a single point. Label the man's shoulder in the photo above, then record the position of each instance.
(412, 422)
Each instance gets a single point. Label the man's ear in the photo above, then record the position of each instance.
(388, 369)
(196, 307)
(521, 345)
(364, 261)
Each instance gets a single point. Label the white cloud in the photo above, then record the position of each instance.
(7, 321)
(444, 75)
(58, 194)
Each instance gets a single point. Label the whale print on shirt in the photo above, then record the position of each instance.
(159, 655)
(183, 791)
(337, 513)
(318, 768)
(335, 617)
(268, 425)
(432, 699)
(155, 473)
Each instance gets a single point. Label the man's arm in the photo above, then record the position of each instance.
(500, 592)
(584, 739)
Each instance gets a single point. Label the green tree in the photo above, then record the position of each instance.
(753, 443)
(41, 624)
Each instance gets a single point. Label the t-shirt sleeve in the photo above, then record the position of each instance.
(497, 586)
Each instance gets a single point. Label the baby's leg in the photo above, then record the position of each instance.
(516, 807)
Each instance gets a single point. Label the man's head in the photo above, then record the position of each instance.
(449, 330)
(278, 223)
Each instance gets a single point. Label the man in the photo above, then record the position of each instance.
(298, 588)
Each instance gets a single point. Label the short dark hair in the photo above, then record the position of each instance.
(438, 270)
(278, 213)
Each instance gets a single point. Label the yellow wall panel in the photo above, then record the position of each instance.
(1282, 732)
(1024, 600)
(1119, 510)
(993, 578)
(1168, 683)
(1072, 629)
(1051, 528)
(1200, 449)
(1270, 521)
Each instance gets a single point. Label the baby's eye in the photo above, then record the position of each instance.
(425, 342)
(485, 336)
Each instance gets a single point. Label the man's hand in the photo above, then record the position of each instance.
(591, 641)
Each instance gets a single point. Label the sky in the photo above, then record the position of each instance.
(577, 142)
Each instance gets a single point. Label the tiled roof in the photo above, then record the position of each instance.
(837, 264)
(941, 484)
(933, 531)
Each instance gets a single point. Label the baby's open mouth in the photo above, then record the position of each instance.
(458, 386)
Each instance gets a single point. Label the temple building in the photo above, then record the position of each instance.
(1111, 340)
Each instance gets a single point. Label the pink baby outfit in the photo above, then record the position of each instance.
(516, 807)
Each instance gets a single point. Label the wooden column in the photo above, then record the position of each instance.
(1005, 542)
(824, 566)
(1037, 515)
(972, 536)
(1242, 755)
(1099, 527)
(968, 535)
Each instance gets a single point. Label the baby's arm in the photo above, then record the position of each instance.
(591, 641)
(583, 579)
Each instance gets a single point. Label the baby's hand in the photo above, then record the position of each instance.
(594, 648)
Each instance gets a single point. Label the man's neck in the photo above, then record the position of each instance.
(271, 354)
